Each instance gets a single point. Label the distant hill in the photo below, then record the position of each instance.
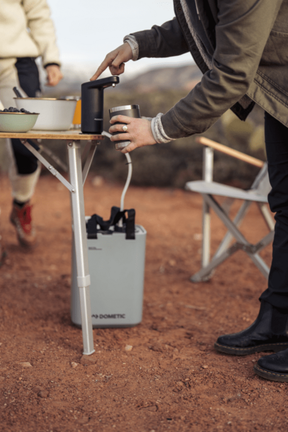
(185, 77)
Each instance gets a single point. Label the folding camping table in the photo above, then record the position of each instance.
(79, 165)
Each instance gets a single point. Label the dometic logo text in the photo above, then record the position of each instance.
(108, 316)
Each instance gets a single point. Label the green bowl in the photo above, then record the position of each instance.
(17, 121)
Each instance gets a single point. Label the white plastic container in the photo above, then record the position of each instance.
(54, 114)
(116, 267)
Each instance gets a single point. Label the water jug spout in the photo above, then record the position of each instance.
(92, 104)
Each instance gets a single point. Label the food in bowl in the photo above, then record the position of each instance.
(12, 109)
(54, 114)
(14, 120)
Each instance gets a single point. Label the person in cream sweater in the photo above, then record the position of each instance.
(26, 33)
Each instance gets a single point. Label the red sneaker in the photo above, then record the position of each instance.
(20, 217)
(3, 253)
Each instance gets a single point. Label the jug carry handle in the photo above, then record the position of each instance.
(115, 217)
(130, 224)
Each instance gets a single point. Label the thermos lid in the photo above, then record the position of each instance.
(124, 107)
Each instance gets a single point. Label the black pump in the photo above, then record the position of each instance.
(92, 104)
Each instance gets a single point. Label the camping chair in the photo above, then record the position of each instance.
(209, 189)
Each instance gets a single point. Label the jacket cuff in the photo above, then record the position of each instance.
(51, 64)
(157, 130)
(131, 40)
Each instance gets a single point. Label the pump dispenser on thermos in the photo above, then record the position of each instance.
(92, 104)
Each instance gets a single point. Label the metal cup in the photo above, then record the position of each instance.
(126, 110)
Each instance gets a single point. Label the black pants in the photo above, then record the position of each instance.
(28, 76)
(276, 138)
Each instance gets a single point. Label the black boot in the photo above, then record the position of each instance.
(268, 333)
(273, 367)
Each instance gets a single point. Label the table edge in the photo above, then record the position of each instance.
(59, 135)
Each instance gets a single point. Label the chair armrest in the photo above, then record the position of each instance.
(231, 152)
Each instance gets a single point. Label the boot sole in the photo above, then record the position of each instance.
(245, 351)
(269, 375)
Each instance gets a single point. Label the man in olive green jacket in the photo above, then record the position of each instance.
(241, 48)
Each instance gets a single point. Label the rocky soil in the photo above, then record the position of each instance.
(161, 375)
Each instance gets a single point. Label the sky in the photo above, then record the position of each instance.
(88, 29)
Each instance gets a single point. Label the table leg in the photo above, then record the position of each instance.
(80, 239)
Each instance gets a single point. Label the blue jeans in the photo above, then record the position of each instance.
(276, 139)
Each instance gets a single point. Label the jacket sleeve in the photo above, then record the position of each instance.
(42, 30)
(161, 41)
(242, 31)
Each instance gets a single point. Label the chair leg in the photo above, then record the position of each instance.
(267, 215)
(237, 221)
(245, 245)
(223, 251)
(206, 271)
(206, 235)
(208, 154)
(206, 239)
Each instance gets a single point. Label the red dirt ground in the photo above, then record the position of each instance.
(172, 379)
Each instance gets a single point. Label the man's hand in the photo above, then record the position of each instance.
(115, 61)
(138, 132)
(54, 75)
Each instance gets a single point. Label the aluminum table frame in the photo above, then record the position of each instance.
(77, 177)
